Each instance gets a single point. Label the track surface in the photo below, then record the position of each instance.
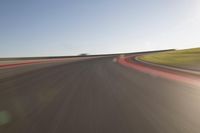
(95, 96)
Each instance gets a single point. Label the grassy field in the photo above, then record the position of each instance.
(188, 58)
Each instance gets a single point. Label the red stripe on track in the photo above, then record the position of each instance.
(126, 61)
(4, 66)
(17, 64)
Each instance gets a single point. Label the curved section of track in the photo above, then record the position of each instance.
(132, 62)
(95, 96)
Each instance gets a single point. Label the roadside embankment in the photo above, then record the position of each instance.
(184, 59)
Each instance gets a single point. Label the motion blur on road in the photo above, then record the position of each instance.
(99, 66)
(96, 95)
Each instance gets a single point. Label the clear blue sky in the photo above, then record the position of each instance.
(70, 27)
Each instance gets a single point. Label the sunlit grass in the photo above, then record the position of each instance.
(175, 58)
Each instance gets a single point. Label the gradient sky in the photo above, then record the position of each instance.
(71, 27)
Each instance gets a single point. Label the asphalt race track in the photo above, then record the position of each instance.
(94, 96)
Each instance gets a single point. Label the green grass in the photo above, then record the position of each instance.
(179, 58)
